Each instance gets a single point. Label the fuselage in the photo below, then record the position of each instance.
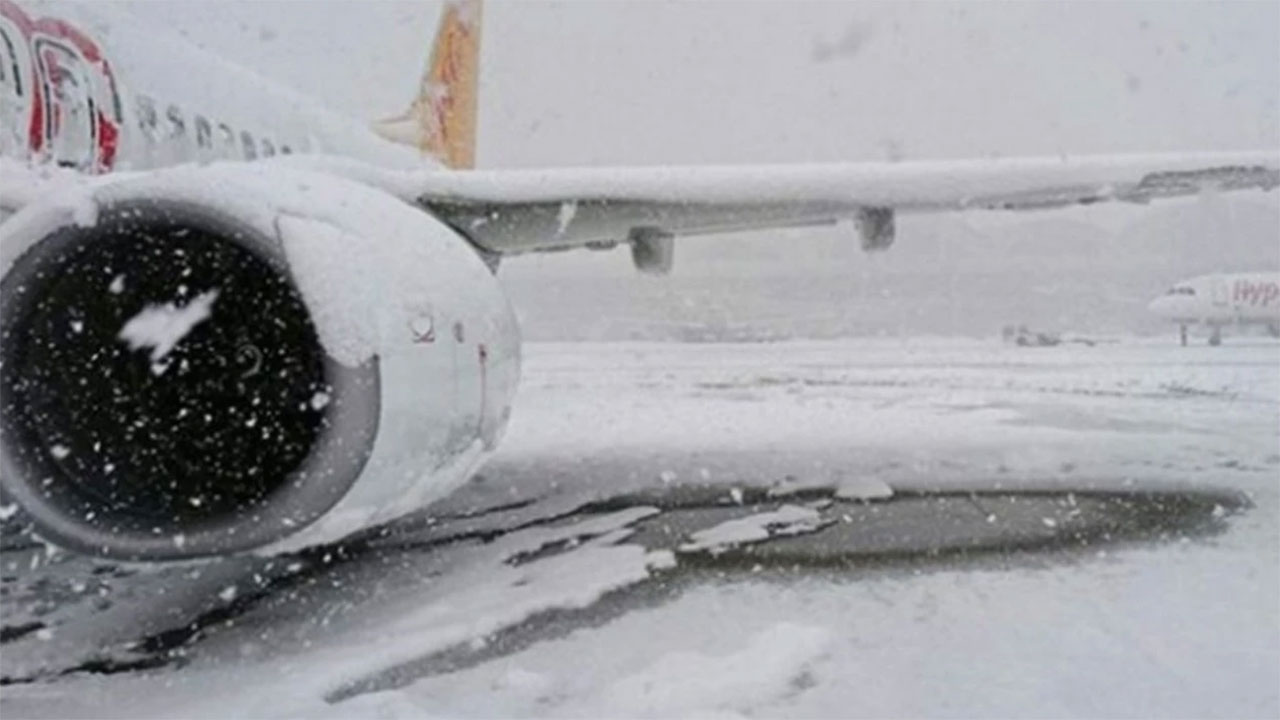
(84, 89)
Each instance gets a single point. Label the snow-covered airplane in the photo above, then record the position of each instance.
(231, 320)
(1220, 300)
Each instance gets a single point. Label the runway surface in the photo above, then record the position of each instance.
(856, 528)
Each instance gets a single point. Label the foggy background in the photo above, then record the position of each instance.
(643, 83)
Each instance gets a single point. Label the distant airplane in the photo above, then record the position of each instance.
(1220, 300)
(231, 320)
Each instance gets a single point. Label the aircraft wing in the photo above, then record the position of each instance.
(515, 211)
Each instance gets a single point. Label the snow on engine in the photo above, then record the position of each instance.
(206, 361)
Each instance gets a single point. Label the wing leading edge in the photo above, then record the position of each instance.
(515, 211)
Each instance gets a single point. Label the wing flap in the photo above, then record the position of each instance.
(516, 227)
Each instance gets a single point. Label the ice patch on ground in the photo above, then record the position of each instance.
(567, 212)
(786, 520)
(162, 327)
(791, 485)
(863, 488)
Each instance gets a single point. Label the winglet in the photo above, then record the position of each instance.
(441, 121)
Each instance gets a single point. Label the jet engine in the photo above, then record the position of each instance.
(203, 361)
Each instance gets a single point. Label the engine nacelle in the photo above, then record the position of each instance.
(210, 360)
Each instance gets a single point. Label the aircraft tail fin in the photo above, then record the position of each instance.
(441, 121)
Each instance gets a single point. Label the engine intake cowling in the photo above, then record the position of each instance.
(193, 364)
(184, 438)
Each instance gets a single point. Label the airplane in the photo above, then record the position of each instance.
(1222, 299)
(232, 321)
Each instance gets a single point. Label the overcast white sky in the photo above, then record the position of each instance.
(570, 83)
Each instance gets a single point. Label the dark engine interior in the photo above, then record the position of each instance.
(162, 374)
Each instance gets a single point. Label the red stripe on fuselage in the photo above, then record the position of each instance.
(106, 121)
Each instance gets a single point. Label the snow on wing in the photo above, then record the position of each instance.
(514, 211)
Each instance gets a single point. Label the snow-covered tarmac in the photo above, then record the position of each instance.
(835, 529)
